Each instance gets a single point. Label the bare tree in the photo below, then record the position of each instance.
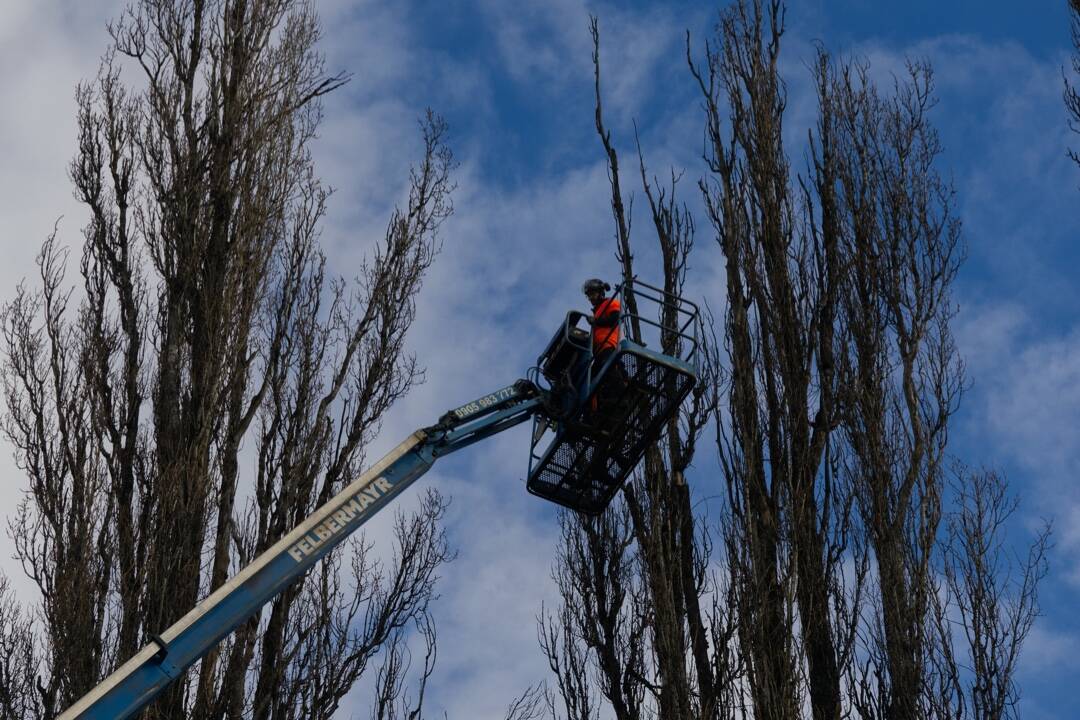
(633, 582)
(989, 599)
(839, 378)
(900, 381)
(785, 266)
(602, 622)
(19, 656)
(898, 362)
(391, 700)
(530, 705)
(206, 324)
(574, 697)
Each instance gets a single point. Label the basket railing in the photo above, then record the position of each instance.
(675, 327)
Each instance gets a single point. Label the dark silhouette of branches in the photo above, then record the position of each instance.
(632, 583)
(785, 263)
(601, 619)
(898, 363)
(991, 598)
(208, 338)
(831, 389)
(19, 657)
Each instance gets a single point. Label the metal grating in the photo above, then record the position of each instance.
(589, 459)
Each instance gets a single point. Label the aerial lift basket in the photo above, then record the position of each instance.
(605, 418)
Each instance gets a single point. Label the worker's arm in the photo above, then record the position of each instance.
(609, 320)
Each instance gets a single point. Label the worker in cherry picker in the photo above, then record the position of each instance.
(606, 334)
(607, 312)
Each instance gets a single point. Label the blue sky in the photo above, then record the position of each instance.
(532, 221)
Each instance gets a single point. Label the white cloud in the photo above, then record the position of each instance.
(541, 44)
(1026, 395)
(1036, 407)
(1047, 649)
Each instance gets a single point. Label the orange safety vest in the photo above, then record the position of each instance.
(606, 338)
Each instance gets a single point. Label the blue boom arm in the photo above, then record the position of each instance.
(138, 681)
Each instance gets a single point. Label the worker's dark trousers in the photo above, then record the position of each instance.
(610, 390)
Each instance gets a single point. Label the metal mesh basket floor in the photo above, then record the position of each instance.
(589, 459)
